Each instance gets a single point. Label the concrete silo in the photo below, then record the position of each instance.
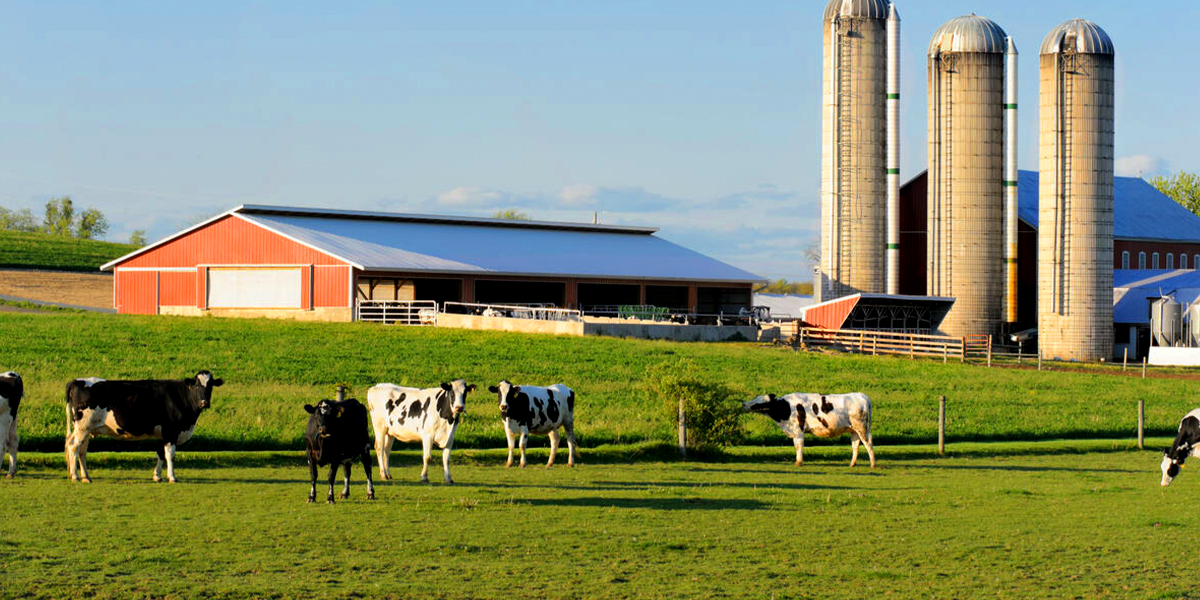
(967, 172)
(1075, 218)
(854, 157)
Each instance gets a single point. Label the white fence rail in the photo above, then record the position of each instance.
(398, 312)
(540, 312)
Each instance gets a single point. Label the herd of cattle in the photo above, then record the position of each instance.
(336, 434)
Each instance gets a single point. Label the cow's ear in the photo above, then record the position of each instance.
(516, 388)
(310, 409)
(446, 386)
(771, 397)
(218, 382)
(493, 389)
(471, 388)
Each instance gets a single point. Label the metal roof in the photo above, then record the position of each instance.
(970, 33)
(867, 9)
(846, 311)
(1078, 35)
(1135, 288)
(1140, 211)
(441, 244)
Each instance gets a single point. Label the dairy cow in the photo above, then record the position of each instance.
(158, 409)
(409, 414)
(12, 389)
(825, 416)
(1187, 443)
(336, 436)
(525, 409)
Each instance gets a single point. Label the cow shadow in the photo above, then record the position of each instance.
(1025, 469)
(623, 486)
(651, 503)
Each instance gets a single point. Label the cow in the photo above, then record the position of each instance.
(159, 409)
(410, 415)
(825, 416)
(336, 435)
(526, 409)
(12, 389)
(1186, 444)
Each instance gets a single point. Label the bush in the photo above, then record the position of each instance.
(713, 413)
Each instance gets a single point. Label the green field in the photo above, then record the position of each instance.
(273, 368)
(24, 250)
(1057, 523)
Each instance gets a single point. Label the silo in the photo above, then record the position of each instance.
(854, 149)
(1075, 196)
(966, 173)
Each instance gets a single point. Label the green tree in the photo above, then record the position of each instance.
(92, 225)
(1183, 187)
(60, 216)
(18, 220)
(783, 286)
(138, 237)
(511, 214)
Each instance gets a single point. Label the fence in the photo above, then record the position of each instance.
(906, 344)
(397, 312)
(539, 312)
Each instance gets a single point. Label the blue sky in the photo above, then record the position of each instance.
(701, 118)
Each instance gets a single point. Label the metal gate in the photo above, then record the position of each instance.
(397, 312)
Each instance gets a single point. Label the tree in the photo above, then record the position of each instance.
(783, 286)
(18, 220)
(1182, 187)
(60, 216)
(92, 225)
(812, 251)
(511, 214)
(138, 237)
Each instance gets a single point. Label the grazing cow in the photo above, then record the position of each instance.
(411, 415)
(12, 389)
(825, 416)
(1186, 444)
(336, 435)
(160, 409)
(525, 409)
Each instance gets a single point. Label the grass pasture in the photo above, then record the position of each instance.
(30, 250)
(1052, 521)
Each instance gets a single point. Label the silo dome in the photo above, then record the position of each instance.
(1078, 35)
(970, 33)
(863, 9)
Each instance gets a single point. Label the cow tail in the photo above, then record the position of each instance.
(68, 407)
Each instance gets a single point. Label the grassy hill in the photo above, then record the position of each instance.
(19, 249)
(274, 367)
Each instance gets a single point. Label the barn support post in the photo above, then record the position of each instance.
(682, 430)
(942, 425)
(1141, 424)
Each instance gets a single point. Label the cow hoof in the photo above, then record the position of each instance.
(344, 496)
(156, 479)
(370, 495)
(311, 499)
(9, 476)
(329, 500)
(449, 481)
(424, 480)
(86, 480)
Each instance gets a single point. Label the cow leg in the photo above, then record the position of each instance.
(383, 449)
(553, 447)
(12, 450)
(869, 442)
(74, 441)
(854, 442)
(366, 462)
(799, 442)
(446, 460)
(524, 439)
(511, 441)
(426, 452)
(572, 448)
(333, 469)
(312, 471)
(171, 463)
(346, 480)
(162, 457)
(81, 458)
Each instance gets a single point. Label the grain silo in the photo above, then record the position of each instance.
(966, 172)
(1075, 196)
(854, 156)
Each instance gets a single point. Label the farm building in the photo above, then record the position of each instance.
(1151, 231)
(320, 264)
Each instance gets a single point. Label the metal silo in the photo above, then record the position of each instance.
(966, 172)
(1075, 233)
(854, 158)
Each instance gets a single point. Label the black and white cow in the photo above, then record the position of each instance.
(409, 414)
(159, 409)
(12, 389)
(1186, 444)
(525, 409)
(825, 416)
(336, 436)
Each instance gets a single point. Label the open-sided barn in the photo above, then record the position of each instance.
(319, 264)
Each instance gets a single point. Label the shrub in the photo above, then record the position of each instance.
(713, 414)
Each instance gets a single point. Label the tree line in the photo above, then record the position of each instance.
(61, 217)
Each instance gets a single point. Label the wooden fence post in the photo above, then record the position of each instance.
(341, 393)
(911, 347)
(942, 425)
(1143, 367)
(1039, 359)
(682, 430)
(1125, 362)
(989, 351)
(1141, 424)
(945, 352)
(964, 350)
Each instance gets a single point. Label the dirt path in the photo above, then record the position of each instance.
(80, 289)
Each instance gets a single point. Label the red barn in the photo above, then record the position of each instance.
(316, 264)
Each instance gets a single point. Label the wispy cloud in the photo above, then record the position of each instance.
(471, 196)
(1140, 165)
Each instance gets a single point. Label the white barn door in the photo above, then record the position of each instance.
(253, 288)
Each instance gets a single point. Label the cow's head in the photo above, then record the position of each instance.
(458, 390)
(325, 413)
(1172, 462)
(777, 408)
(203, 383)
(506, 391)
(14, 379)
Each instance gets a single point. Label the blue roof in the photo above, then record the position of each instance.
(425, 243)
(1140, 211)
(1133, 289)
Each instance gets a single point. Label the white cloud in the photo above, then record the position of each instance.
(469, 196)
(1141, 165)
(579, 193)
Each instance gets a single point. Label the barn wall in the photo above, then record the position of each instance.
(177, 288)
(230, 241)
(137, 292)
